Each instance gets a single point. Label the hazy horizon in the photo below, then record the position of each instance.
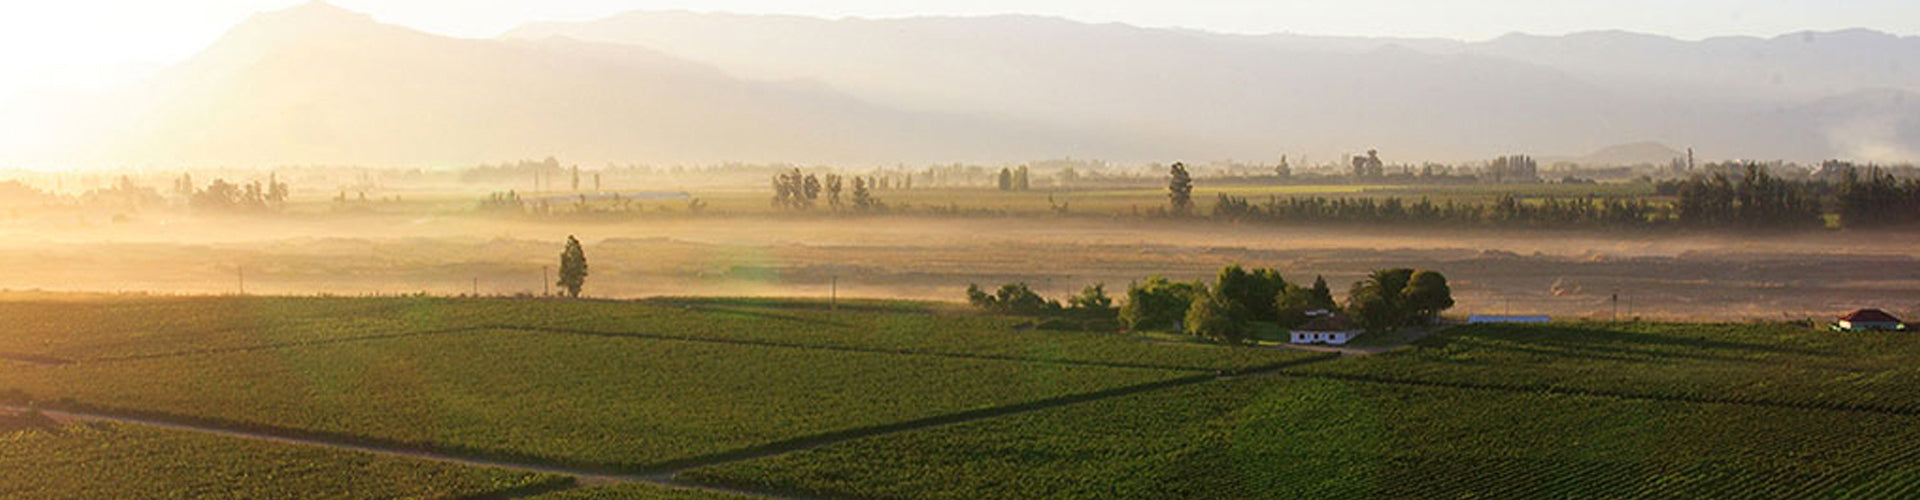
(99, 50)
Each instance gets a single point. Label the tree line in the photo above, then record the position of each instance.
(802, 191)
(1227, 310)
(1751, 200)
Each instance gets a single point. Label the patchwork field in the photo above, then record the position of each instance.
(1282, 438)
(626, 403)
(90, 461)
(1791, 365)
(896, 399)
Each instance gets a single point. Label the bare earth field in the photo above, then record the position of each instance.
(1562, 273)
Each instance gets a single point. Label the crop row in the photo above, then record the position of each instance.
(1296, 438)
(1764, 364)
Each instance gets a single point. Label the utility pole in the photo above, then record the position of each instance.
(833, 293)
(1616, 305)
(543, 282)
(476, 286)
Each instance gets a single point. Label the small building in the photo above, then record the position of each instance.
(1330, 329)
(1486, 318)
(1869, 320)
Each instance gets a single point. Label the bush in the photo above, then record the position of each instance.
(1158, 303)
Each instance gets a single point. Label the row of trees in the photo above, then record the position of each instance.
(1878, 200)
(801, 191)
(223, 196)
(1756, 201)
(1750, 200)
(1240, 298)
(1015, 179)
(1506, 211)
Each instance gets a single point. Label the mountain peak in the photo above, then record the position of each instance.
(311, 15)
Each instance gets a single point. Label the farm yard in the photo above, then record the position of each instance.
(686, 398)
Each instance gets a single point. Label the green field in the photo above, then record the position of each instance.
(560, 397)
(1767, 363)
(637, 492)
(894, 399)
(108, 329)
(123, 461)
(1287, 438)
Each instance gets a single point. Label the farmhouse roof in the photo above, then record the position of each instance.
(1869, 316)
(1328, 323)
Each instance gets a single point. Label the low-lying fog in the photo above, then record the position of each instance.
(1683, 277)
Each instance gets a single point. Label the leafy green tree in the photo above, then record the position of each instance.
(1426, 295)
(1016, 298)
(1180, 189)
(573, 267)
(1093, 298)
(1006, 179)
(1251, 294)
(1021, 180)
(1211, 316)
(1321, 296)
(1373, 309)
(1158, 302)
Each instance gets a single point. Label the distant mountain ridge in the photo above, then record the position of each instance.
(1428, 98)
(320, 84)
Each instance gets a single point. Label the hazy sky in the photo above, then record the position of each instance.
(64, 43)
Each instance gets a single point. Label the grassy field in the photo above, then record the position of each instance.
(1289, 438)
(921, 400)
(637, 492)
(1769, 363)
(113, 461)
(119, 328)
(563, 398)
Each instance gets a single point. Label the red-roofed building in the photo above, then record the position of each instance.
(1865, 320)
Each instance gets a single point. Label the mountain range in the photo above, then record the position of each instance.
(319, 84)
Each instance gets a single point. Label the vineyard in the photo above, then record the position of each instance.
(113, 461)
(563, 398)
(890, 399)
(1281, 438)
(637, 492)
(1783, 365)
(120, 329)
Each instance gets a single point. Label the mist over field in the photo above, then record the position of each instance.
(914, 249)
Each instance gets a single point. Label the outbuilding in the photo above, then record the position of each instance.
(1869, 320)
(1330, 329)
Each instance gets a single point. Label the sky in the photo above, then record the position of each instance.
(85, 44)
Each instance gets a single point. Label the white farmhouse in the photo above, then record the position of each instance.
(1331, 329)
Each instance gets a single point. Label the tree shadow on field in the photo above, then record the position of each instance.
(1610, 344)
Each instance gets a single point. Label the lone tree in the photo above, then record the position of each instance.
(1180, 190)
(573, 267)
